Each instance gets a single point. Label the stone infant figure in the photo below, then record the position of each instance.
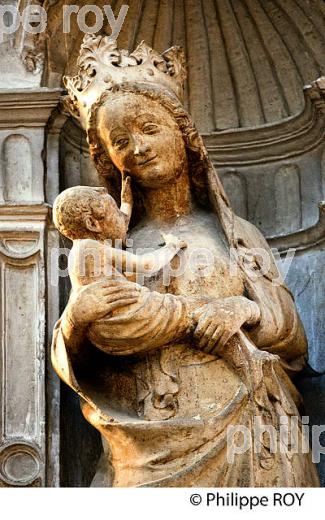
(90, 217)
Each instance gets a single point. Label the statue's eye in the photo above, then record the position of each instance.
(122, 142)
(150, 128)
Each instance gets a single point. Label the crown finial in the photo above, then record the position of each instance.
(101, 64)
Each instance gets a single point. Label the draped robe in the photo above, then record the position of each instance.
(139, 394)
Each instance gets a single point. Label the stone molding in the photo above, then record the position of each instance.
(303, 239)
(27, 107)
(289, 138)
(28, 401)
(22, 345)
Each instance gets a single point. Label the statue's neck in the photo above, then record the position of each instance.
(169, 201)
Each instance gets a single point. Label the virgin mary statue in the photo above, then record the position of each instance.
(193, 386)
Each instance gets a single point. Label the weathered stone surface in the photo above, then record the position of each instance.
(147, 358)
(248, 63)
(25, 396)
(23, 419)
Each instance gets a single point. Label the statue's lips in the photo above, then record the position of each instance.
(146, 161)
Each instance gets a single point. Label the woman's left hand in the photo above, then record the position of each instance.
(218, 321)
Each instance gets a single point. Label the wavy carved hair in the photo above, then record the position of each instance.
(199, 163)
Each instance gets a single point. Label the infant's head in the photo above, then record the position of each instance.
(88, 212)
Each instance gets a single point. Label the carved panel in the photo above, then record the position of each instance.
(236, 189)
(18, 168)
(22, 355)
(24, 435)
(19, 349)
(287, 196)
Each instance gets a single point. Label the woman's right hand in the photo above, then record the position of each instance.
(94, 301)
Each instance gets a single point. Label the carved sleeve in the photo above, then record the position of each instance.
(156, 320)
(279, 330)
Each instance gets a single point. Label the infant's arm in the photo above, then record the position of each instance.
(90, 261)
(152, 262)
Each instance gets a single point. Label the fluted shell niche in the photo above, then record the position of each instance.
(247, 60)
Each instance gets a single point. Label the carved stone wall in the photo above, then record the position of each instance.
(22, 53)
(248, 62)
(25, 440)
(22, 283)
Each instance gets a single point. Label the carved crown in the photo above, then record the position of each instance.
(101, 64)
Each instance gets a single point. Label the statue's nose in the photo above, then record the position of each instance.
(140, 148)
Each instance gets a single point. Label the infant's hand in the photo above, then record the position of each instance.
(172, 240)
(126, 192)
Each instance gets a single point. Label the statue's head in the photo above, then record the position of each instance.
(88, 212)
(142, 138)
(131, 108)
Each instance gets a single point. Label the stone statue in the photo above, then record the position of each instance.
(207, 342)
(90, 217)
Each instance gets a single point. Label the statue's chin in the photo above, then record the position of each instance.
(153, 177)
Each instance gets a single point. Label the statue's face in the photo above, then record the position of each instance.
(142, 138)
(112, 225)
